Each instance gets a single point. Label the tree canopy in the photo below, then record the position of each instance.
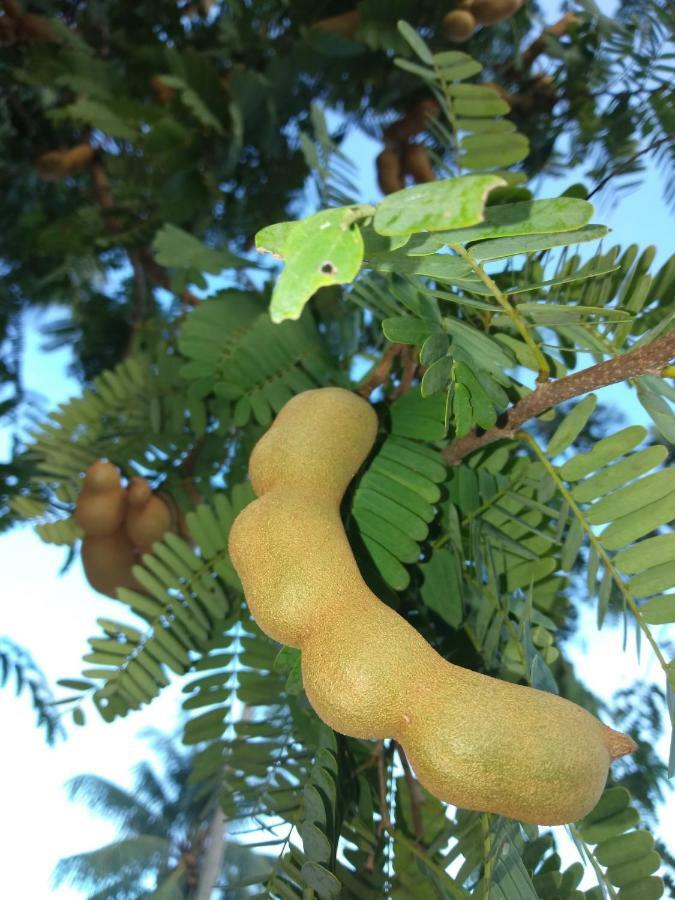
(173, 186)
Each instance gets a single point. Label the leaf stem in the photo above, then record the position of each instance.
(544, 371)
(600, 550)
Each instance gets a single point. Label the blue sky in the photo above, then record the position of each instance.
(42, 825)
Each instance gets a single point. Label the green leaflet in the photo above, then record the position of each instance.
(513, 246)
(272, 239)
(456, 203)
(442, 586)
(176, 248)
(509, 220)
(324, 249)
(572, 425)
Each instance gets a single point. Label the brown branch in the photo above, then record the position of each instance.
(415, 795)
(651, 359)
(380, 372)
(409, 361)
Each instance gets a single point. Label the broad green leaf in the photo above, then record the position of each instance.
(505, 247)
(460, 70)
(178, 249)
(572, 425)
(324, 249)
(479, 106)
(511, 219)
(628, 872)
(486, 126)
(651, 888)
(455, 203)
(415, 69)
(273, 238)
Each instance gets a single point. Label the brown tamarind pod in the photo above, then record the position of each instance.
(413, 122)
(13, 9)
(490, 12)
(162, 92)
(459, 25)
(100, 507)
(346, 24)
(138, 492)
(107, 561)
(57, 164)
(474, 741)
(417, 163)
(148, 522)
(389, 171)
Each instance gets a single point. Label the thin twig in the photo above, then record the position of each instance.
(380, 371)
(617, 170)
(651, 359)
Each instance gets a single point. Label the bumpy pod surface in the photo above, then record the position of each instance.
(474, 741)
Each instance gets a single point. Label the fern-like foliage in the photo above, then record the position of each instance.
(17, 662)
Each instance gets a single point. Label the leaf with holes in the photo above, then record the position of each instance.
(324, 249)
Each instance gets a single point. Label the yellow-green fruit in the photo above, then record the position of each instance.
(100, 507)
(489, 12)
(107, 562)
(474, 741)
(459, 25)
(147, 522)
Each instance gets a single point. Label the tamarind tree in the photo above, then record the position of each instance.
(155, 159)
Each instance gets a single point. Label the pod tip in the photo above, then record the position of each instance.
(617, 743)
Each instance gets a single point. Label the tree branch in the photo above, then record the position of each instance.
(651, 359)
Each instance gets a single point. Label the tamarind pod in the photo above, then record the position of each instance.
(138, 492)
(490, 12)
(162, 92)
(107, 561)
(36, 28)
(416, 162)
(474, 741)
(345, 24)
(57, 164)
(148, 523)
(100, 508)
(13, 9)
(413, 122)
(389, 172)
(458, 25)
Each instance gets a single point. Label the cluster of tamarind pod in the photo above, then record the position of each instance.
(57, 164)
(460, 24)
(401, 156)
(119, 524)
(17, 25)
(474, 741)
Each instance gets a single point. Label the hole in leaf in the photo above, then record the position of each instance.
(328, 268)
